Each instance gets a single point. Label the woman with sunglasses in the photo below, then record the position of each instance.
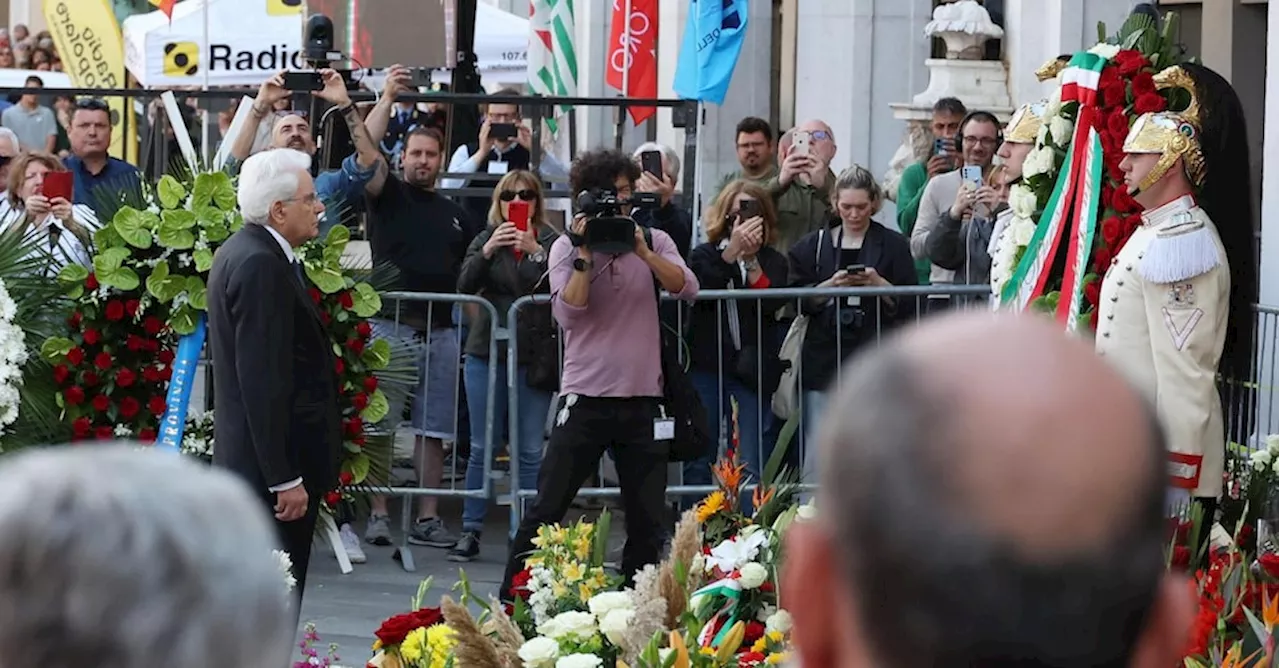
(504, 263)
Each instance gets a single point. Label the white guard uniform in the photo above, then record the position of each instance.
(1162, 322)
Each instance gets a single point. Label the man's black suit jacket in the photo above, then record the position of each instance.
(275, 389)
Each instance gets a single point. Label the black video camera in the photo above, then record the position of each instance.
(608, 229)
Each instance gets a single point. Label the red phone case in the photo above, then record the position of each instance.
(518, 212)
(57, 184)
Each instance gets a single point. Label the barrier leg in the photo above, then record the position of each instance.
(403, 554)
(330, 530)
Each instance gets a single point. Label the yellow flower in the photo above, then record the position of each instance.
(572, 572)
(414, 646)
(775, 636)
(558, 589)
(377, 645)
(714, 503)
(760, 645)
(707, 651)
(530, 562)
(585, 592)
(582, 548)
(776, 658)
(440, 642)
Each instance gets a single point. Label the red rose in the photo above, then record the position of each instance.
(428, 616)
(1101, 260)
(75, 356)
(333, 499)
(370, 384)
(1111, 230)
(91, 282)
(91, 336)
(1129, 62)
(147, 435)
(1181, 556)
(156, 406)
(166, 373)
(360, 401)
(316, 295)
(1123, 202)
(1131, 223)
(81, 427)
(74, 395)
(344, 299)
(74, 321)
(89, 379)
(1270, 563)
(345, 478)
(131, 307)
(125, 377)
(393, 631)
(101, 403)
(104, 433)
(102, 360)
(364, 329)
(520, 583)
(1115, 173)
(354, 426)
(165, 356)
(338, 366)
(61, 373)
(152, 325)
(753, 632)
(1113, 95)
(1093, 291)
(766, 587)
(356, 345)
(151, 374)
(129, 407)
(1143, 83)
(325, 318)
(750, 659)
(1093, 319)
(114, 310)
(1118, 124)
(1149, 103)
(135, 343)
(359, 440)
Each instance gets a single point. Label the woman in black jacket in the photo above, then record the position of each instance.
(734, 343)
(854, 251)
(503, 264)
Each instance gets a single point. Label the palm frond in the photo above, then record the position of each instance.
(397, 382)
(39, 420)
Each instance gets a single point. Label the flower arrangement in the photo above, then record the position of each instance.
(147, 288)
(311, 657)
(418, 639)
(1251, 478)
(1126, 90)
(197, 436)
(13, 355)
(286, 567)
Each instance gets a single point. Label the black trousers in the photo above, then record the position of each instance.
(624, 426)
(295, 539)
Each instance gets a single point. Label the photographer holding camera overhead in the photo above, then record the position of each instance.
(604, 277)
(504, 144)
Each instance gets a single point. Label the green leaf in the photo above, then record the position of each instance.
(338, 236)
(183, 320)
(377, 409)
(328, 279)
(76, 291)
(196, 292)
(170, 192)
(1102, 31)
(216, 232)
(107, 237)
(164, 286)
(134, 226)
(55, 349)
(203, 258)
(216, 186)
(377, 355)
(120, 278)
(176, 238)
(352, 447)
(73, 273)
(109, 259)
(365, 301)
(337, 350)
(180, 219)
(358, 467)
(332, 255)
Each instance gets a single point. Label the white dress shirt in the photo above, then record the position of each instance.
(69, 249)
(288, 253)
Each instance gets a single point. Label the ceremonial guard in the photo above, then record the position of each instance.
(1175, 309)
(1020, 135)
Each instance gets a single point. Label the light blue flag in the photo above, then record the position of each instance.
(712, 41)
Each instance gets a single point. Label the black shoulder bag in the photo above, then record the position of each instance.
(693, 439)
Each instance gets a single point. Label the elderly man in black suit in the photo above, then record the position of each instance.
(276, 392)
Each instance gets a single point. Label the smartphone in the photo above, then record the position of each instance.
(303, 81)
(651, 161)
(502, 131)
(971, 174)
(748, 209)
(518, 214)
(420, 77)
(941, 146)
(801, 142)
(855, 269)
(57, 184)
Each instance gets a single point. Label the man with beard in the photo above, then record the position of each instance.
(425, 236)
(340, 187)
(755, 154)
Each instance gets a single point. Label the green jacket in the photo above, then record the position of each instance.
(801, 209)
(737, 174)
(910, 190)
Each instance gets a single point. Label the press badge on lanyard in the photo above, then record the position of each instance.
(664, 428)
(497, 167)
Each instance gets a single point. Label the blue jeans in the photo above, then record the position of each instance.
(813, 408)
(526, 445)
(751, 450)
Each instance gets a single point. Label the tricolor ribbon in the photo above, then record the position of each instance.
(731, 590)
(178, 397)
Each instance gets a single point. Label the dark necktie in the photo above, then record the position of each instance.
(54, 233)
(297, 271)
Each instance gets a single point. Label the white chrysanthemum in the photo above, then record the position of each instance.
(573, 625)
(1061, 129)
(579, 661)
(752, 575)
(606, 602)
(1022, 200)
(13, 354)
(1023, 229)
(286, 567)
(539, 652)
(1105, 50)
(1260, 459)
(779, 621)
(614, 624)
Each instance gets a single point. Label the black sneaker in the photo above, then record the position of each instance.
(467, 549)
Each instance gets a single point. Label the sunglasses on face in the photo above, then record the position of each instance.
(526, 195)
(92, 104)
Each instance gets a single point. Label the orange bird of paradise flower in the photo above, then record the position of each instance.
(165, 6)
(729, 473)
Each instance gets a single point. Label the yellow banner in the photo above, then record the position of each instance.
(92, 49)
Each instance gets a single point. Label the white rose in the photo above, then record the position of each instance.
(574, 625)
(779, 621)
(539, 653)
(1022, 200)
(1039, 161)
(752, 575)
(579, 661)
(1061, 130)
(1273, 442)
(1023, 230)
(614, 624)
(1053, 106)
(602, 604)
(807, 512)
(766, 611)
(1260, 459)
(1105, 50)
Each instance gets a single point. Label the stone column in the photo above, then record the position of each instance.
(1037, 31)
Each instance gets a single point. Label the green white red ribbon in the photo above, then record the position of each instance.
(731, 590)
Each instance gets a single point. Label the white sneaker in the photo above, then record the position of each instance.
(351, 543)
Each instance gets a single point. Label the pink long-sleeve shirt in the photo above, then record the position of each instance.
(611, 345)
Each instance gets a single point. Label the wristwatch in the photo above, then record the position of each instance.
(580, 264)
(539, 257)
(752, 264)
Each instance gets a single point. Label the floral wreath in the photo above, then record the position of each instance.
(13, 355)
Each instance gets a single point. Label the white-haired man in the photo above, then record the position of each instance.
(134, 559)
(276, 413)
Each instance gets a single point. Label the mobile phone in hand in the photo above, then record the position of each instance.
(941, 146)
(502, 131)
(855, 269)
(303, 81)
(748, 209)
(518, 214)
(651, 161)
(57, 184)
(802, 142)
(971, 174)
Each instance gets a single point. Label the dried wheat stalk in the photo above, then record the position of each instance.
(473, 649)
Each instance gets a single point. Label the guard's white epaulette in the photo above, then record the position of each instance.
(1183, 248)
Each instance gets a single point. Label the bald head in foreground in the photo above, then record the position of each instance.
(991, 495)
(116, 558)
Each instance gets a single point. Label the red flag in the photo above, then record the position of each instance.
(165, 6)
(632, 50)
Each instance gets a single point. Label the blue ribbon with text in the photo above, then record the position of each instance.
(179, 395)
